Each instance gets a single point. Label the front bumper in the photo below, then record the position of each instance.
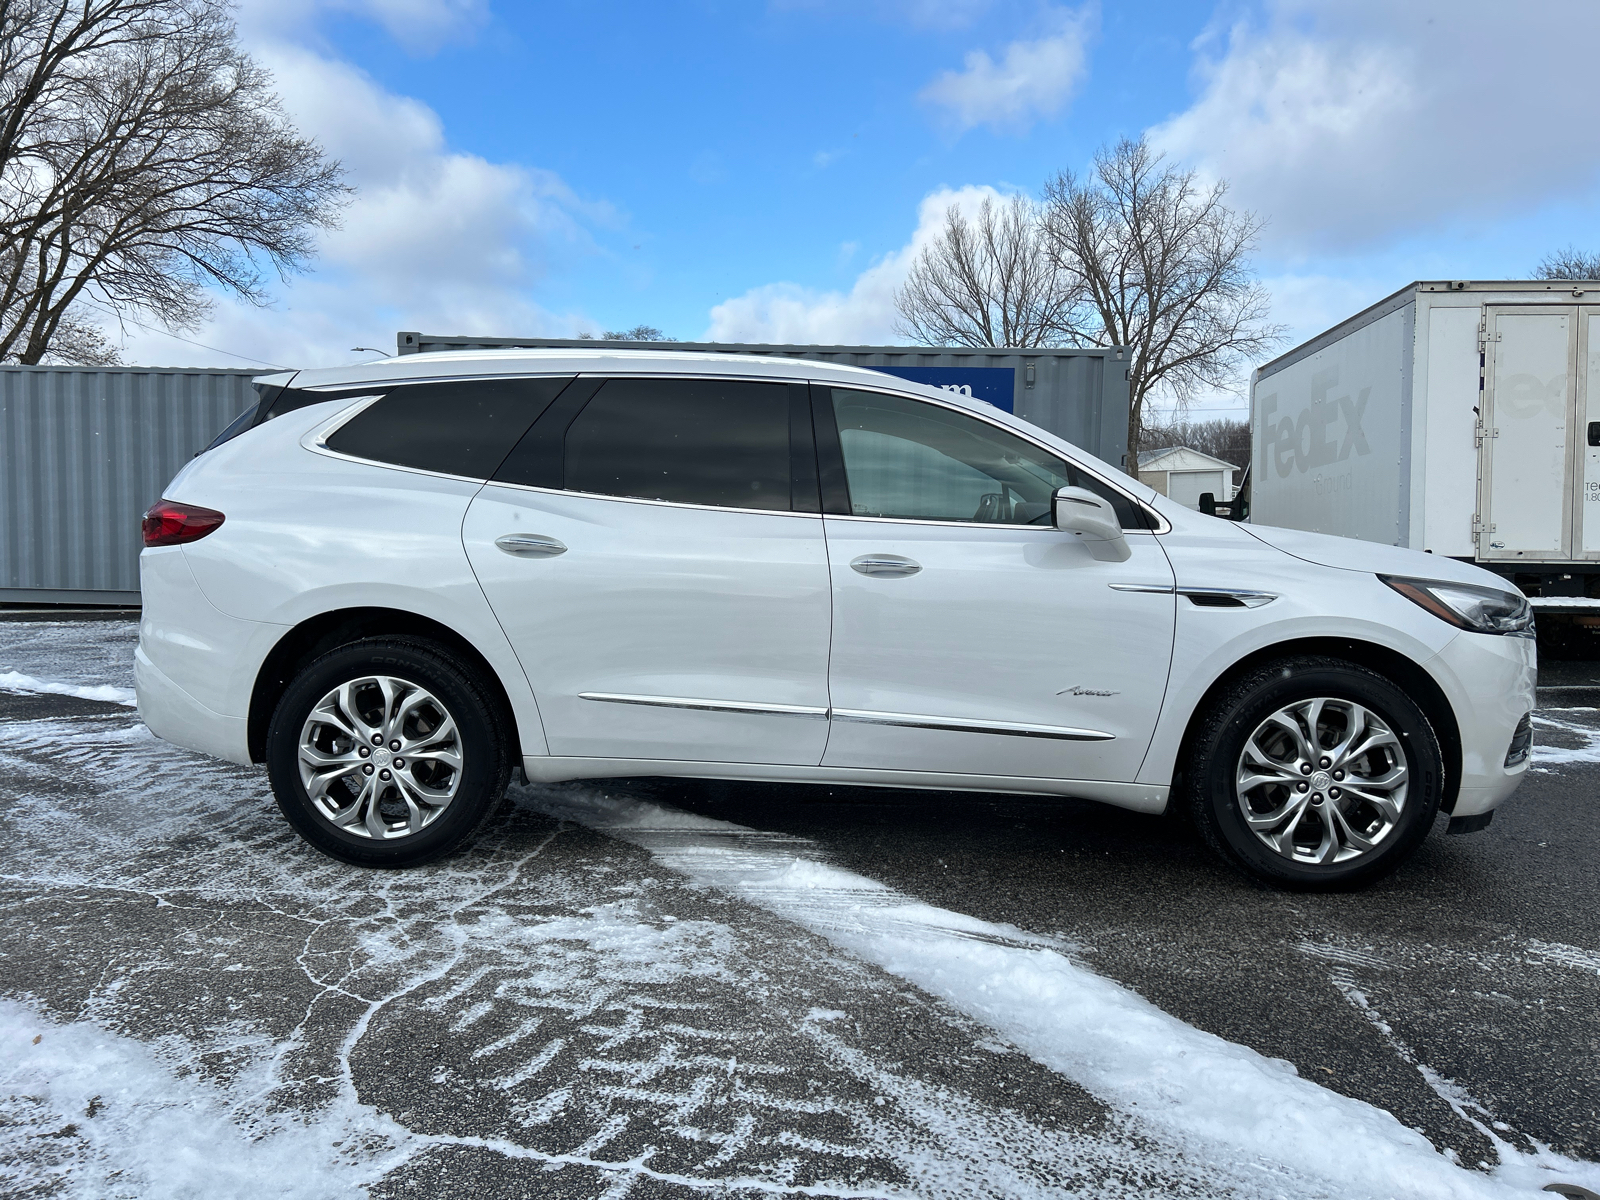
(1489, 681)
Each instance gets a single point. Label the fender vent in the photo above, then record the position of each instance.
(1214, 600)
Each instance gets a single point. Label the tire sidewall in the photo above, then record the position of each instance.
(1219, 805)
(482, 770)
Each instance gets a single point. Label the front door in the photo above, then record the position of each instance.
(970, 636)
(654, 551)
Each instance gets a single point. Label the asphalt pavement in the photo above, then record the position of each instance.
(193, 1002)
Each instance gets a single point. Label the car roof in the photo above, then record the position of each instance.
(458, 364)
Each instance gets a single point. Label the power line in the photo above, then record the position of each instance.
(125, 320)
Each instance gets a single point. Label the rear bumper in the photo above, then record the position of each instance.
(1489, 681)
(173, 715)
(195, 668)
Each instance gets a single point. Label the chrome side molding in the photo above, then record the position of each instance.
(692, 702)
(860, 716)
(971, 725)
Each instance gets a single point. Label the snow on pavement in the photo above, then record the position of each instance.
(1223, 1101)
(15, 681)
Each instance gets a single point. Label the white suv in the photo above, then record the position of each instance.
(393, 583)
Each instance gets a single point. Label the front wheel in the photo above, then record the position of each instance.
(387, 753)
(1314, 773)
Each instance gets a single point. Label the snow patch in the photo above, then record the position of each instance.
(1223, 1101)
(122, 1122)
(15, 681)
(1571, 956)
(1588, 752)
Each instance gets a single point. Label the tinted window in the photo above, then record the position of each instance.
(457, 428)
(691, 441)
(904, 458)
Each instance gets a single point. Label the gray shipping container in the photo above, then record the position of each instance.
(83, 452)
(1079, 395)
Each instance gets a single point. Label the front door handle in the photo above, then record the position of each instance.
(530, 545)
(885, 564)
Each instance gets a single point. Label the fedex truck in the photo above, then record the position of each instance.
(1457, 417)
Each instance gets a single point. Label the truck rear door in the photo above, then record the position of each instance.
(1526, 509)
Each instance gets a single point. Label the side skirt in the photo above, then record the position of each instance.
(1138, 797)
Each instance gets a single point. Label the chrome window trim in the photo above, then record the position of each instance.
(1162, 525)
(969, 725)
(758, 512)
(691, 702)
(997, 525)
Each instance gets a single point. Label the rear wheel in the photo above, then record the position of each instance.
(1315, 773)
(387, 753)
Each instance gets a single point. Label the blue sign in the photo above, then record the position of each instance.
(997, 385)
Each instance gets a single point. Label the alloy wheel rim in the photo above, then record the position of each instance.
(380, 757)
(1322, 781)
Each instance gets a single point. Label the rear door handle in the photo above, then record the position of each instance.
(530, 545)
(885, 564)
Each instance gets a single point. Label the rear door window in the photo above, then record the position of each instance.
(722, 443)
(459, 428)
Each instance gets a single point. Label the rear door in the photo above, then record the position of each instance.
(654, 551)
(1526, 477)
(1586, 441)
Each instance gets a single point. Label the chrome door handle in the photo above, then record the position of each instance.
(885, 564)
(530, 545)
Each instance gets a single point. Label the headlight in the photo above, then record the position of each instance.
(1480, 609)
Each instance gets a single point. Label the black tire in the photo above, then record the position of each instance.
(480, 739)
(1210, 785)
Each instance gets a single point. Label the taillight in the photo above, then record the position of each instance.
(167, 523)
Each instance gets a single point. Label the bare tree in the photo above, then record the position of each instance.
(1161, 265)
(1570, 263)
(986, 280)
(144, 162)
(1227, 438)
(639, 333)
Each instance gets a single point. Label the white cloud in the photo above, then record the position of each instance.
(863, 316)
(1033, 79)
(435, 239)
(1347, 122)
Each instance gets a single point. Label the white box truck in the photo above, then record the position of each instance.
(1453, 417)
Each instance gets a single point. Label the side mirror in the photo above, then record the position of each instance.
(1093, 521)
(1208, 503)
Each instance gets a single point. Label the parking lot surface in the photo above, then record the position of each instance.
(666, 988)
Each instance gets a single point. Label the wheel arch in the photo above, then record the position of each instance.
(327, 631)
(1391, 664)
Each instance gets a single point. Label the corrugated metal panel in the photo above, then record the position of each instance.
(83, 452)
(1079, 395)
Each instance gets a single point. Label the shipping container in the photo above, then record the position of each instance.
(1453, 417)
(83, 452)
(1078, 395)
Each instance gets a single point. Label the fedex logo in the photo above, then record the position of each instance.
(1326, 431)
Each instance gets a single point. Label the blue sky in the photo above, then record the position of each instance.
(767, 171)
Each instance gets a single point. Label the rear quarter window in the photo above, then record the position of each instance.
(459, 428)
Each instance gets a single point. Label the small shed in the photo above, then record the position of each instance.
(1184, 475)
